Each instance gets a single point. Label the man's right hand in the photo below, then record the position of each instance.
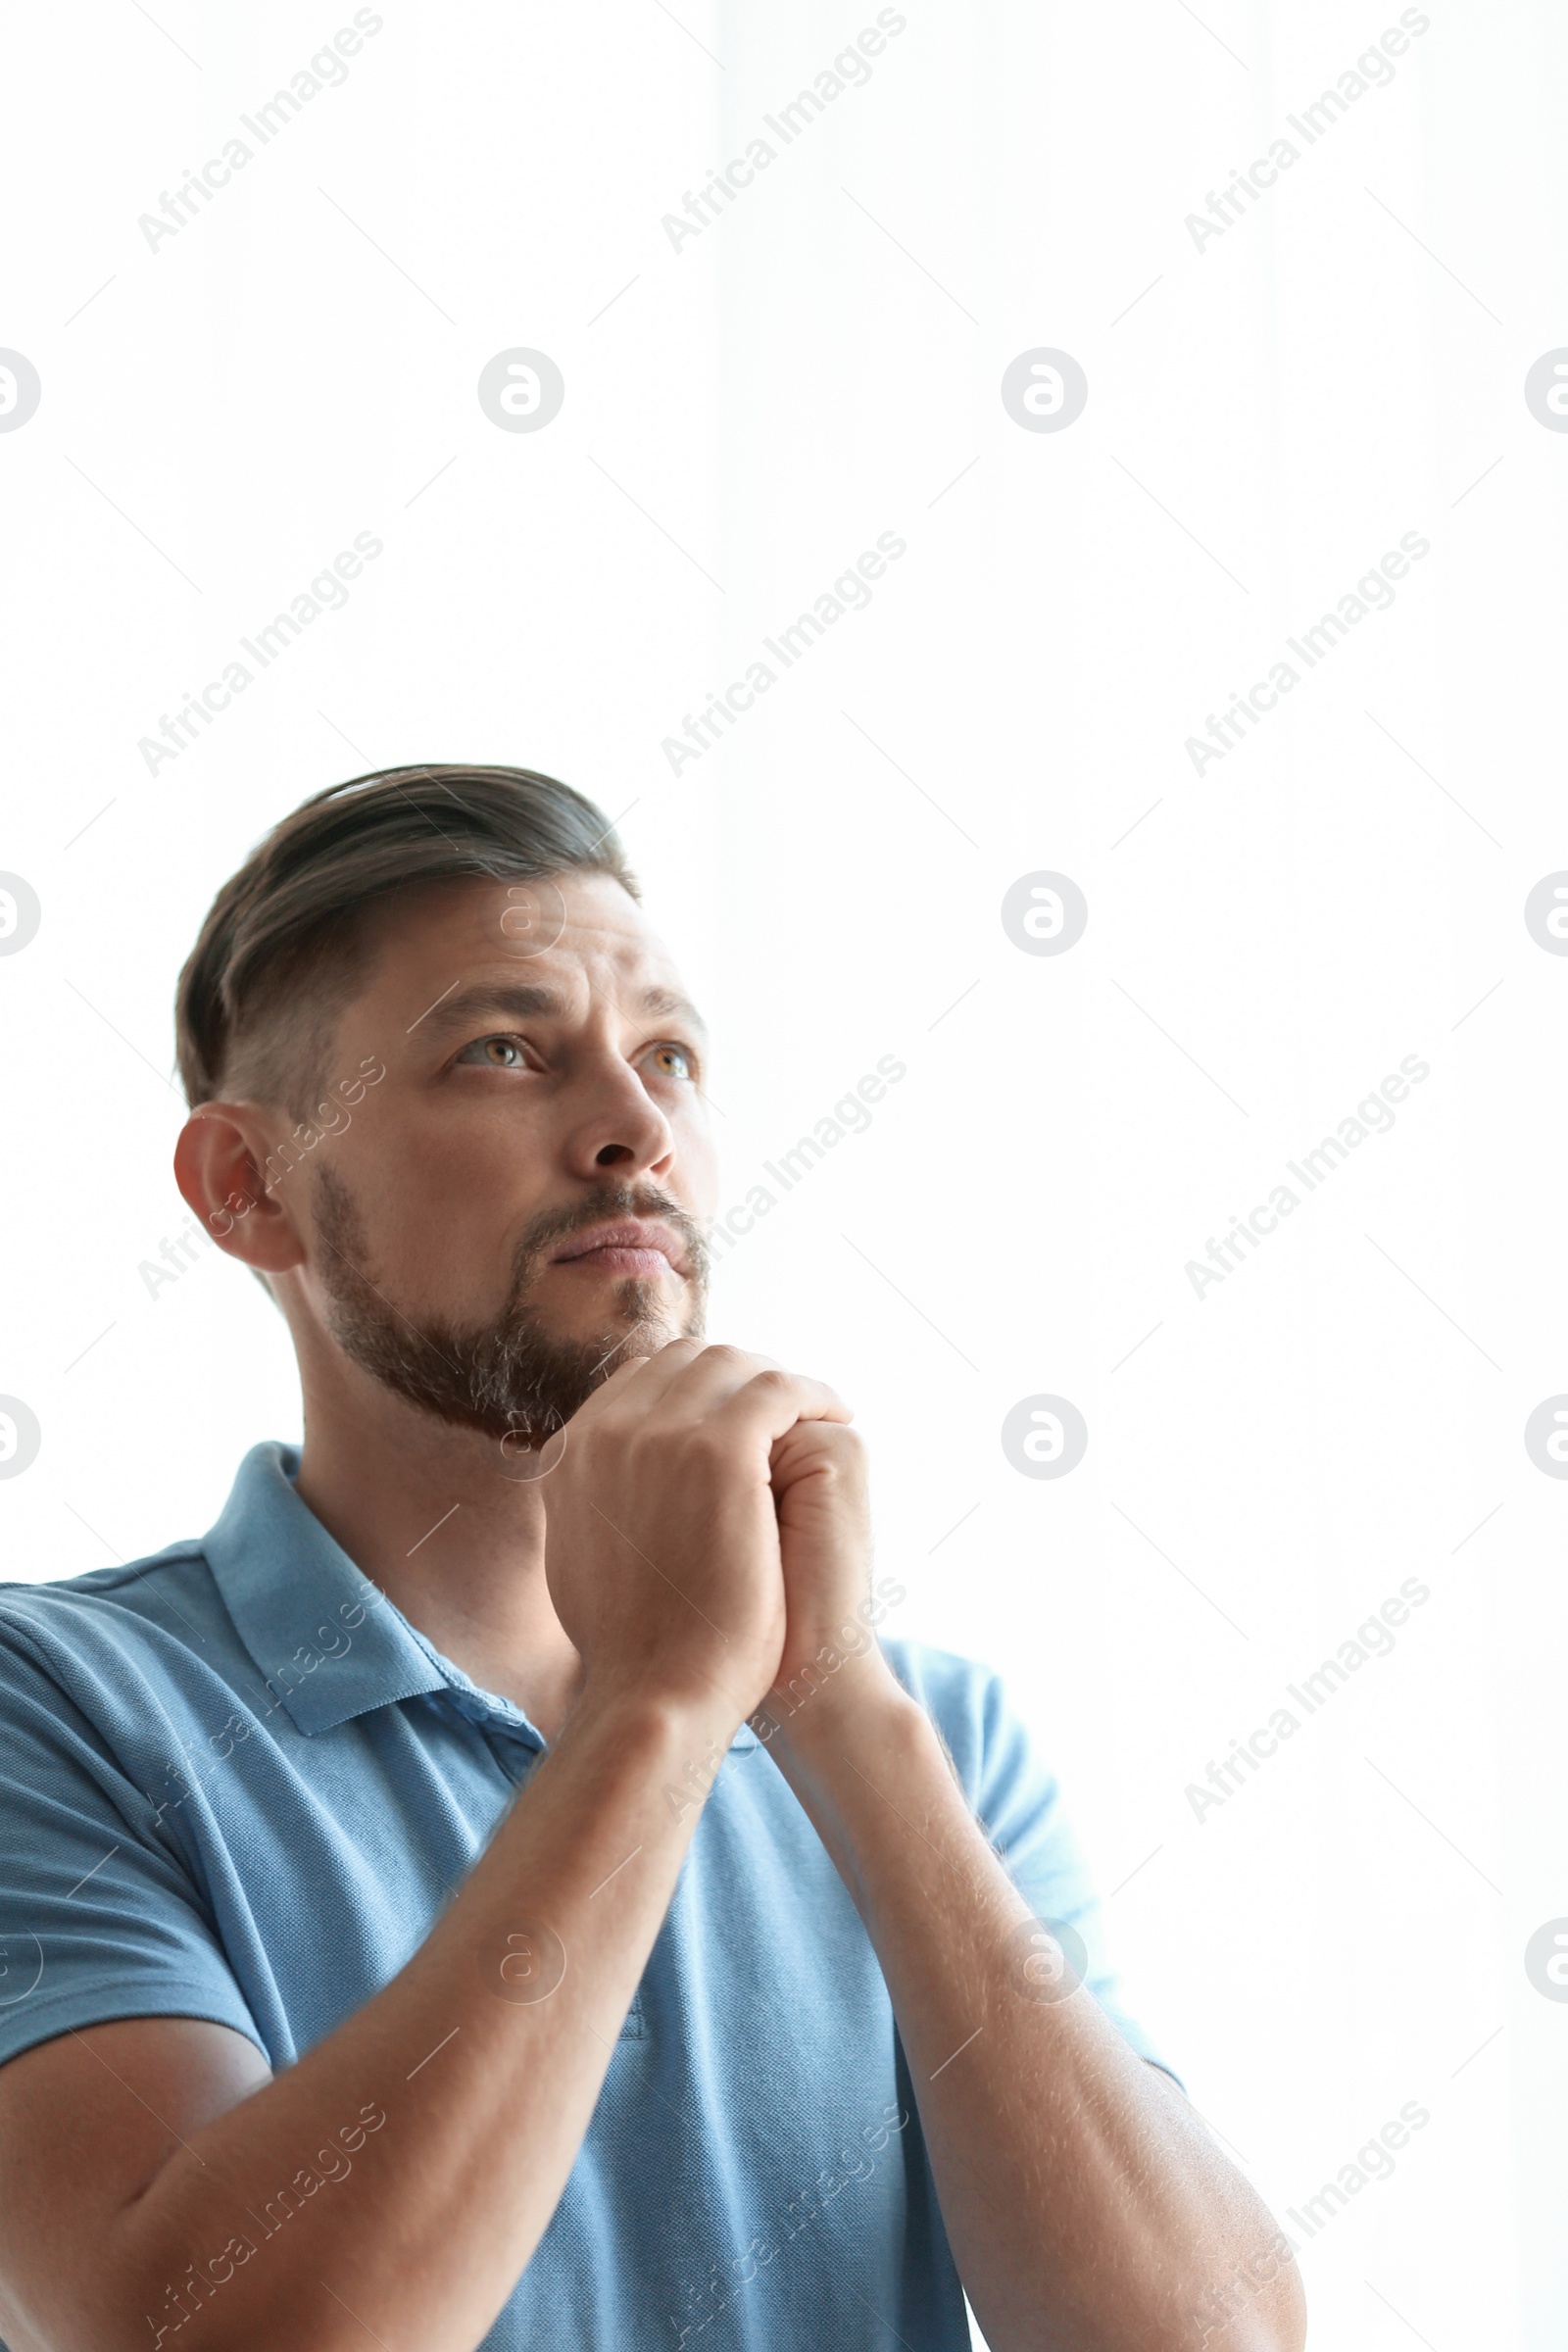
(662, 1544)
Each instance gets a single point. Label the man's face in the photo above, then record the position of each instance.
(519, 1203)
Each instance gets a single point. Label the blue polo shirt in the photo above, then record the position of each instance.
(239, 1784)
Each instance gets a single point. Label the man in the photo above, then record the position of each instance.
(760, 2017)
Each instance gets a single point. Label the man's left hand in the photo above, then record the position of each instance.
(831, 1659)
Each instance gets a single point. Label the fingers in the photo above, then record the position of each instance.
(651, 1373)
(731, 1387)
(751, 1397)
(773, 1401)
(815, 1447)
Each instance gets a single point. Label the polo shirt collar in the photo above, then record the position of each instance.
(295, 1597)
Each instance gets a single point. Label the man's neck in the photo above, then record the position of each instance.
(452, 1531)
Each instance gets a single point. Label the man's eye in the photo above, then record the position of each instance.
(499, 1052)
(673, 1062)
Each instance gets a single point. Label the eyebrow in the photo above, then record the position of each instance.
(532, 1001)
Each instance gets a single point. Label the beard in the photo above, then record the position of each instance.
(512, 1377)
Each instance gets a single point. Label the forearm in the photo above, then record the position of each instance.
(486, 2090)
(1087, 2209)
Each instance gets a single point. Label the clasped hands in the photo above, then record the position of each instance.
(710, 1545)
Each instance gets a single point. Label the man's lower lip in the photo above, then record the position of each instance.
(621, 1261)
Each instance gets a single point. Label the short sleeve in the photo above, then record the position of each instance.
(1018, 1804)
(99, 1918)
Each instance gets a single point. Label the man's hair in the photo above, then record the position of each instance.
(290, 935)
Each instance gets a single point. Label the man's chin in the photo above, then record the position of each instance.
(531, 1366)
(631, 1317)
(573, 1353)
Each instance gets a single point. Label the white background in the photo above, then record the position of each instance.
(1266, 416)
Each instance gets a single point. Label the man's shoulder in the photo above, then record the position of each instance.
(166, 1596)
(933, 1673)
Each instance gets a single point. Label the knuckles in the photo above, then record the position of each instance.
(833, 1445)
(646, 1435)
(708, 1449)
(724, 1353)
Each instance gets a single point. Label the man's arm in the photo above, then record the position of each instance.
(395, 2181)
(442, 2119)
(1087, 2207)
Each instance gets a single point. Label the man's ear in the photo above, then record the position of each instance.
(222, 1164)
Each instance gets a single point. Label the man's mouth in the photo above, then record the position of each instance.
(632, 1246)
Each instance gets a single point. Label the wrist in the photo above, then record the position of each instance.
(650, 1715)
(829, 1703)
(851, 1760)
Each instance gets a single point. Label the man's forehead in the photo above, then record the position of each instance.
(541, 945)
(484, 922)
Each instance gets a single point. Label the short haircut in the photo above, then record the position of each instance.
(288, 938)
